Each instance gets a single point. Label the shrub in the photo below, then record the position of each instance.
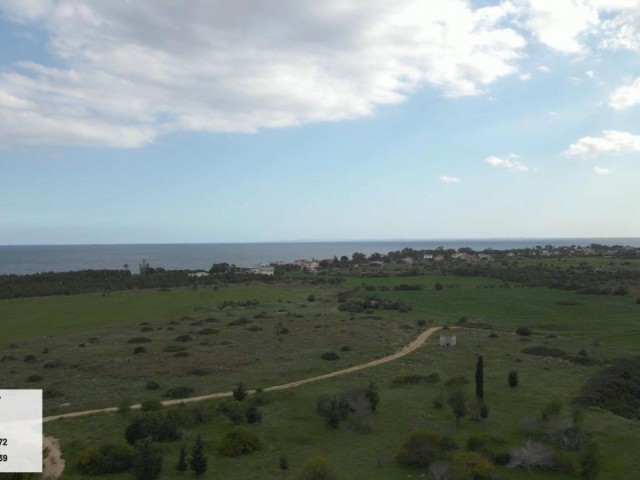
(329, 356)
(544, 351)
(493, 335)
(311, 298)
(438, 286)
(152, 385)
(531, 454)
(415, 379)
(52, 363)
(179, 392)
(513, 378)
(318, 469)
(523, 331)
(457, 381)
(233, 410)
(254, 328)
(208, 331)
(34, 378)
(30, 358)
(616, 388)
(181, 354)
(139, 350)
(470, 465)
(346, 348)
(423, 447)
(183, 338)
(239, 442)
(105, 458)
(51, 393)
(146, 329)
(174, 348)
(139, 340)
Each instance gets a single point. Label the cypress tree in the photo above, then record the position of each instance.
(479, 379)
(198, 459)
(147, 462)
(181, 466)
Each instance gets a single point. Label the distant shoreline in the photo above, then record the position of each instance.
(28, 259)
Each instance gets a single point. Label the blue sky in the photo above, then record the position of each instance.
(221, 122)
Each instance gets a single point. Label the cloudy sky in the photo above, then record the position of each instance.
(270, 120)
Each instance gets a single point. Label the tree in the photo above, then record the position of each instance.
(181, 466)
(438, 286)
(513, 378)
(239, 393)
(423, 447)
(479, 379)
(198, 461)
(147, 461)
(458, 404)
(373, 396)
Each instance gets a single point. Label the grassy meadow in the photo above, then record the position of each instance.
(199, 339)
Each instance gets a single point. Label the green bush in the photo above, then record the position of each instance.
(139, 350)
(523, 331)
(152, 385)
(415, 379)
(179, 392)
(329, 356)
(317, 469)
(105, 457)
(34, 378)
(239, 442)
(139, 340)
(423, 447)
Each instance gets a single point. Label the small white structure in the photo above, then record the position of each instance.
(199, 274)
(263, 270)
(447, 341)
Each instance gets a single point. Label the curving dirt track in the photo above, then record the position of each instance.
(417, 343)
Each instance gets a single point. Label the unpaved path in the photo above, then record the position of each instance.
(417, 343)
(53, 465)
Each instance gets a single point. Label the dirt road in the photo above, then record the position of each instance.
(53, 465)
(417, 343)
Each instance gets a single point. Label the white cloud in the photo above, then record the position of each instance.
(510, 162)
(131, 71)
(559, 23)
(611, 142)
(626, 95)
(525, 77)
(448, 179)
(622, 32)
(589, 73)
(544, 69)
(600, 170)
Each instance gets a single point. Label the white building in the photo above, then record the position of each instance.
(447, 341)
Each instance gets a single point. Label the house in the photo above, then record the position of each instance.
(263, 270)
(308, 265)
(447, 341)
(199, 274)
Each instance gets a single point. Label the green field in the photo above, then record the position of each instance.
(90, 336)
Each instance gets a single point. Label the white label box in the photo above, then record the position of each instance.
(20, 431)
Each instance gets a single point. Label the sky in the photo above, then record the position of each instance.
(285, 120)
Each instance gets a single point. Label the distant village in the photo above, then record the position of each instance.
(463, 255)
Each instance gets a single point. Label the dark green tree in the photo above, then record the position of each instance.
(458, 404)
(479, 379)
(147, 460)
(181, 466)
(198, 460)
(372, 396)
(239, 393)
(513, 378)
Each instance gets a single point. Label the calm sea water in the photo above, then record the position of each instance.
(60, 258)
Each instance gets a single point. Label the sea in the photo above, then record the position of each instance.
(27, 259)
